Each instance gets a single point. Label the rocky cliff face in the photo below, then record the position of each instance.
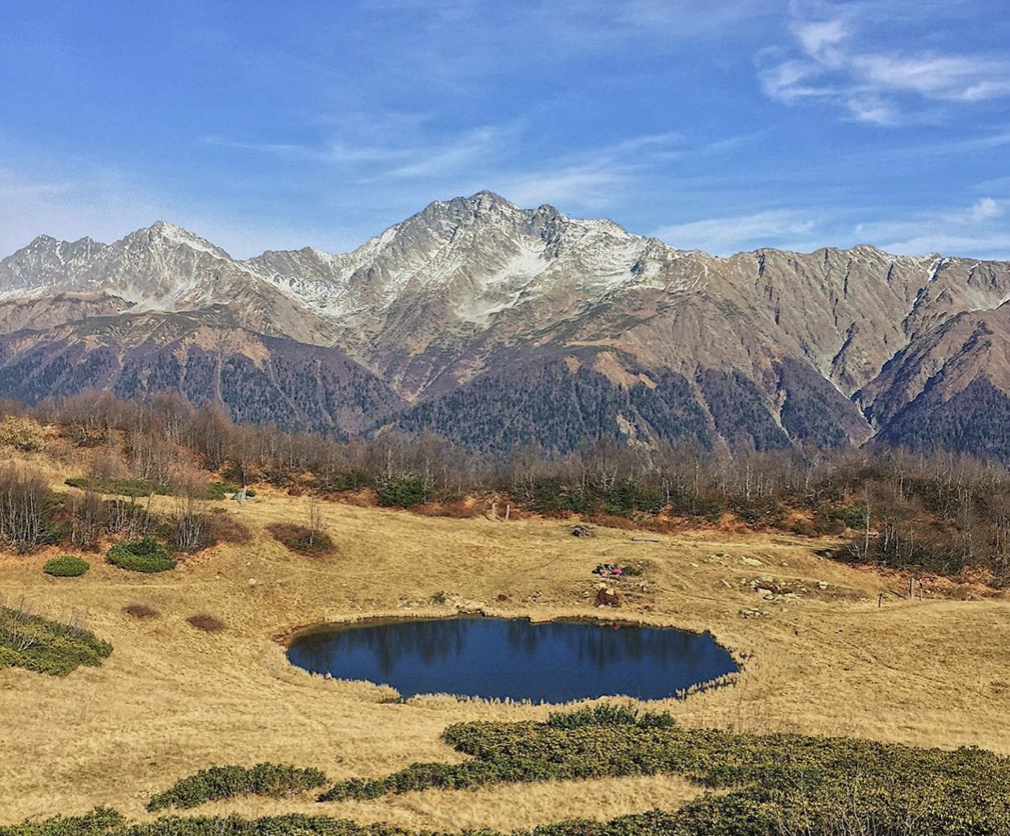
(490, 320)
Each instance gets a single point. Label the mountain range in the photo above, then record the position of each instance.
(497, 326)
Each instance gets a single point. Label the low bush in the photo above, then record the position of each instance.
(222, 782)
(22, 433)
(350, 480)
(760, 785)
(142, 612)
(403, 492)
(119, 487)
(852, 516)
(38, 644)
(66, 566)
(771, 785)
(758, 510)
(205, 622)
(302, 539)
(146, 555)
(599, 715)
(223, 527)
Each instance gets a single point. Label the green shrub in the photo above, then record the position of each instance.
(147, 555)
(350, 480)
(599, 715)
(221, 782)
(610, 715)
(66, 566)
(628, 498)
(852, 516)
(119, 487)
(403, 492)
(758, 510)
(771, 784)
(38, 644)
(760, 785)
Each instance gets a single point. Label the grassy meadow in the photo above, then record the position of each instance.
(174, 698)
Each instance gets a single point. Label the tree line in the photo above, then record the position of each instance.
(941, 512)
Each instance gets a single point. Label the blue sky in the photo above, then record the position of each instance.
(716, 124)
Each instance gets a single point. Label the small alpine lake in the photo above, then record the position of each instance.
(552, 661)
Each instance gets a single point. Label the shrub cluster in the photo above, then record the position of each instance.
(221, 782)
(44, 646)
(611, 715)
(773, 785)
(146, 555)
(763, 785)
(403, 492)
(22, 433)
(66, 566)
(302, 538)
(119, 487)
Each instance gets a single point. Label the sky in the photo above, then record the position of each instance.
(720, 125)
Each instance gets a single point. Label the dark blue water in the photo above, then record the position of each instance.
(555, 661)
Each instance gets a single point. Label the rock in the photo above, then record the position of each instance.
(750, 561)
(253, 581)
(822, 584)
(582, 531)
(751, 614)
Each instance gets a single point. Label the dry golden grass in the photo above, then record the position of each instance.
(172, 700)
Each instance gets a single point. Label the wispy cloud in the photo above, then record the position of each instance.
(498, 157)
(785, 228)
(833, 60)
(977, 230)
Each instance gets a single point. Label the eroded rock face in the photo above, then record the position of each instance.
(501, 325)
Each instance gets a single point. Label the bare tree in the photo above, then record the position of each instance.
(315, 520)
(189, 515)
(25, 508)
(87, 519)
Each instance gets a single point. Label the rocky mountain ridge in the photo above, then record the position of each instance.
(474, 305)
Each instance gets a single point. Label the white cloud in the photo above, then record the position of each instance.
(834, 61)
(985, 209)
(578, 189)
(784, 228)
(974, 230)
(424, 164)
(460, 151)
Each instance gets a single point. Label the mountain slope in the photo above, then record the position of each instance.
(486, 319)
(205, 356)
